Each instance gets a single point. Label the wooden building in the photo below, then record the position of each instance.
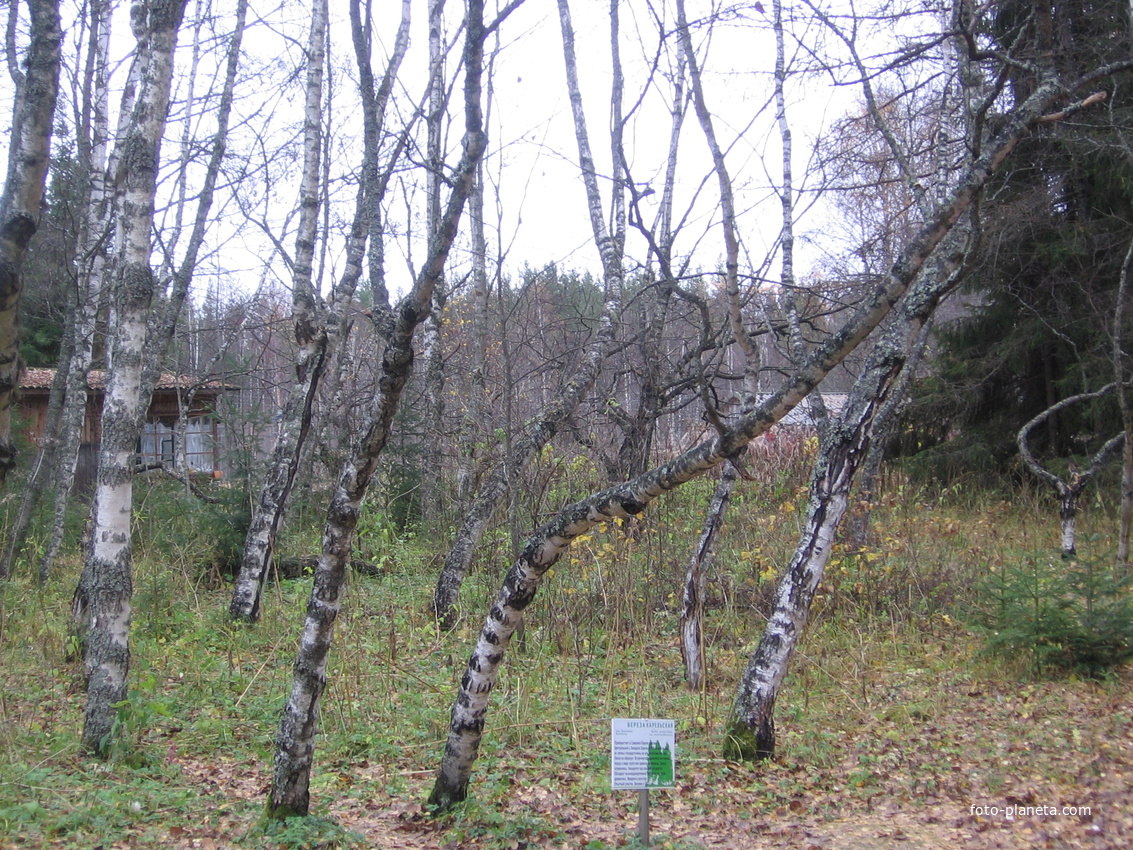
(173, 397)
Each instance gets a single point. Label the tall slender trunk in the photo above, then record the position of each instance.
(95, 245)
(858, 436)
(295, 742)
(749, 349)
(109, 559)
(321, 327)
(1121, 376)
(163, 321)
(695, 584)
(553, 415)
(307, 313)
(22, 199)
(433, 455)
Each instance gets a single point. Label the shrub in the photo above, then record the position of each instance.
(1066, 616)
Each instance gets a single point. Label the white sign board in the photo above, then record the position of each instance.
(643, 753)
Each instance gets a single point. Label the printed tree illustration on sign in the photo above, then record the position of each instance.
(659, 773)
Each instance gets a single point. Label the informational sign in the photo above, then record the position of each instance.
(643, 753)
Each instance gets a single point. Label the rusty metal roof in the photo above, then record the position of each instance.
(40, 379)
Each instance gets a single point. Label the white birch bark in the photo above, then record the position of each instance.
(365, 228)
(22, 198)
(163, 321)
(846, 445)
(295, 742)
(322, 326)
(109, 564)
(433, 456)
(308, 320)
(854, 441)
(696, 581)
(543, 549)
(727, 202)
(550, 418)
(94, 246)
(1069, 490)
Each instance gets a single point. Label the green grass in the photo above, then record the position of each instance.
(887, 657)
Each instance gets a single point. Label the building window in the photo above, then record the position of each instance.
(158, 442)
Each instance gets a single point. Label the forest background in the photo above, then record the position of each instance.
(853, 280)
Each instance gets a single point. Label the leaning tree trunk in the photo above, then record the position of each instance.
(751, 730)
(310, 340)
(318, 330)
(845, 446)
(696, 580)
(884, 427)
(295, 742)
(108, 563)
(547, 422)
(542, 551)
(22, 200)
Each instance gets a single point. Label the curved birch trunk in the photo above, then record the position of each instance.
(1071, 489)
(551, 417)
(751, 731)
(543, 550)
(696, 580)
(109, 561)
(883, 429)
(295, 742)
(538, 433)
(22, 200)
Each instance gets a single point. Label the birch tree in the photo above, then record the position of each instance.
(55, 468)
(695, 583)
(310, 340)
(317, 326)
(22, 200)
(295, 740)
(108, 560)
(849, 444)
(751, 730)
(547, 544)
(431, 353)
(609, 240)
(1070, 488)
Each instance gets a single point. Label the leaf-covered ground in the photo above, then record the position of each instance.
(894, 729)
(900, 763)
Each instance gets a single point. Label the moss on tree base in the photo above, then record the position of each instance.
(443, 799)
(741, 743)
(281, 811)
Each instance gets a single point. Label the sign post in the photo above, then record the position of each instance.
(643, 755)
